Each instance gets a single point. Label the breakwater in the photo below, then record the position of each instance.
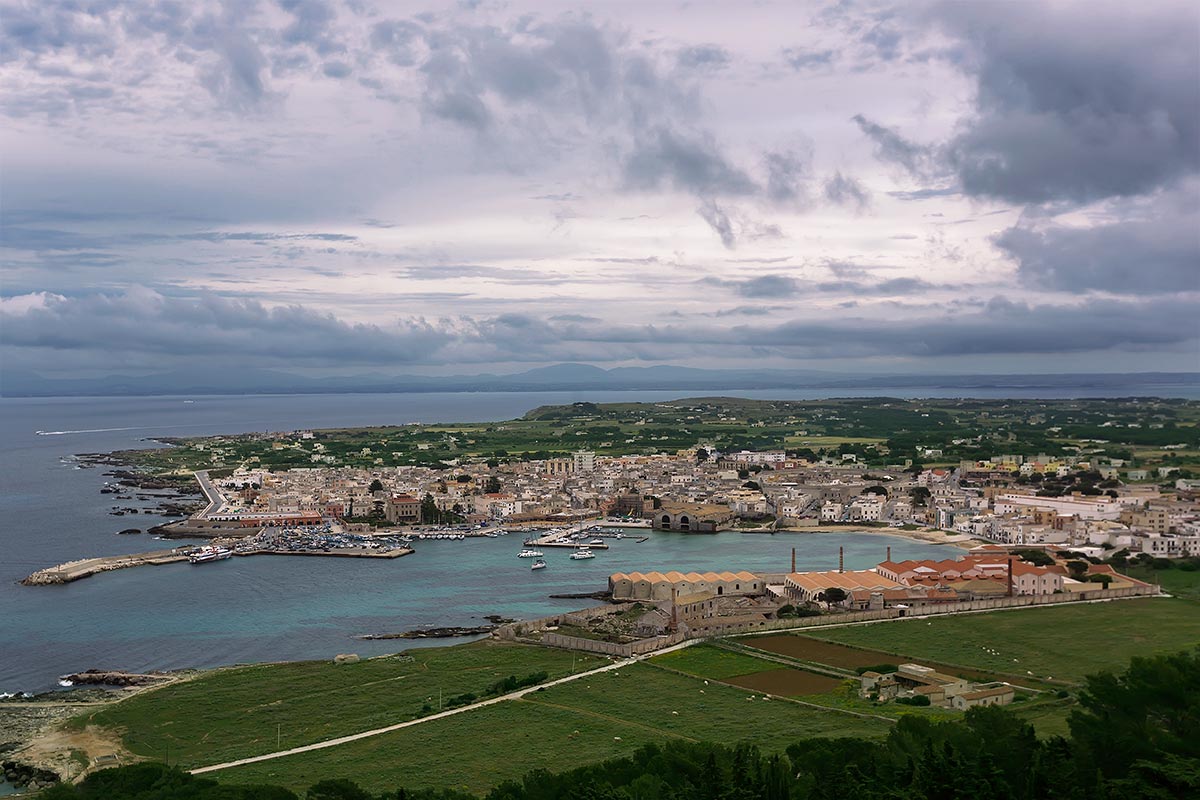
(85, 568)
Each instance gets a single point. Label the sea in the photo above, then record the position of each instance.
(248, 610)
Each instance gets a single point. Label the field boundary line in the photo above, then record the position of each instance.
(797, 701)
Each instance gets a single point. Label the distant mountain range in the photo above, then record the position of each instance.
(560, 377)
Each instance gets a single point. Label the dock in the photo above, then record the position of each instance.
(85, 568)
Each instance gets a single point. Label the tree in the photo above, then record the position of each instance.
(492, 486)
(1102, 579)
(833, 595)
(376, 486)
(920, 495)
(701, 455)
(1078, 569)
(876, 489)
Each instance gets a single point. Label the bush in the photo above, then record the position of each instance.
(917, 700)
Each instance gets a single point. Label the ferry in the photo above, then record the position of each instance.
(529, 554)
(582, 553)
(206, 554)
(539, 564)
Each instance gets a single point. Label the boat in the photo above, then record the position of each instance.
(206, 554)
(539, 564)
(529, 554)
(582, 553)
(596, 541)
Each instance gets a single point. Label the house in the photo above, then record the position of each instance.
(998, 695)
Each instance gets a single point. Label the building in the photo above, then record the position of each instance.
(807, 586)
(1000, 695)
(692, 517)
(584, 462)
(402, 509)
(664, 585)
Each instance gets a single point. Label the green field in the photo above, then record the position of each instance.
(877, 431)
(245, 711)
(1184, 584)
(1061, 642)
(705, 661)
(583, 721)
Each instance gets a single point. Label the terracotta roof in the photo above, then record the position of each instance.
(679, 577)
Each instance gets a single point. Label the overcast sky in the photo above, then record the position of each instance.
(488, 186)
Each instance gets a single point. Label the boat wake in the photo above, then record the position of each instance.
(93, 430)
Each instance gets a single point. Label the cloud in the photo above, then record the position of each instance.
(703, 57)
(891, 147)
(1155, 253)
(787, 172)
(664, 157)
(719, 221)
(844, 190)
(802, 60)
(150, 329)
(160, 328)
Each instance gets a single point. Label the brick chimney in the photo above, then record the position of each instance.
(793, 559)
(841, 559)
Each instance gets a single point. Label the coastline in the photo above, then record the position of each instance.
(922, 535)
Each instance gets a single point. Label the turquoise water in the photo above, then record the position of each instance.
(276, 608)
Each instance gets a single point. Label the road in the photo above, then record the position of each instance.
(354, 737)
(215, 500)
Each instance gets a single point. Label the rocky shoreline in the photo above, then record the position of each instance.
(432, 633)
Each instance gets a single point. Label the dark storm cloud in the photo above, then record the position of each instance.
(1073, 102)
(151, 328)
(1138, 256)
(844, 190)
(1080, 101)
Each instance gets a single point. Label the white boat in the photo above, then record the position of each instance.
(206, 554)
(582, 553)
(529, 554)
(596, 541)
(539, 564)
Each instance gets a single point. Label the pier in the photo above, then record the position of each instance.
(85, 568)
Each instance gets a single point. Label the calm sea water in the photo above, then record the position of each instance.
(264, 608)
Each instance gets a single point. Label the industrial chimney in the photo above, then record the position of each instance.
(793, 559)
(841, 559)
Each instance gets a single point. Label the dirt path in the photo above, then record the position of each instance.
(354, 737)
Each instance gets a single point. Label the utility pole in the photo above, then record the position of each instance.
(278, 735)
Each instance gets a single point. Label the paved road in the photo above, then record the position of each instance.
(215, 500)
(354, 737)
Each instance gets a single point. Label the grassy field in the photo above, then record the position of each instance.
(705, 661)
(246, 711)
(1176, 582)
(1061, 642)
(580, 722)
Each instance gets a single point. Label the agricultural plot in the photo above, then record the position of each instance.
(584, 721)
(1063, 643)
(235, 713)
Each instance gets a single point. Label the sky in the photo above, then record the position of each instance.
(333, 187)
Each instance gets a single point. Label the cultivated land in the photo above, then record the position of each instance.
(1060, 642)
(879, 431)
(563, 726)
(246, 711)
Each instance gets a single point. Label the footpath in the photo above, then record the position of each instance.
(354, 737)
